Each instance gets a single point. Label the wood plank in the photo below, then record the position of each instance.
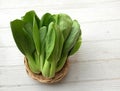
(95, 67)
(89, 51)
(54, 3)
(6, 38)
(97, 51)
(97, 31)
(10, 56)
(83, 15)
(90, 86)
(100, 31)
(79, 72)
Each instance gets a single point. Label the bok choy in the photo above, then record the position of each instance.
(46, 42)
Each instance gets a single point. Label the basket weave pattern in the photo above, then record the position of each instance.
(58, 76)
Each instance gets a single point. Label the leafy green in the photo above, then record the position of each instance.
(50, 40)
(72, 38)
(36, 36)
(43, 33)
(46, 19)
(76, 46)
(65, 24)
(23, 40)
(47, 42)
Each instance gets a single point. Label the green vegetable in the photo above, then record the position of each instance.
(46, 42)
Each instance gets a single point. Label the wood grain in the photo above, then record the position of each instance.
(96, 31)
(89, 51)
(83, 15)
(85, 72)
(95, 67)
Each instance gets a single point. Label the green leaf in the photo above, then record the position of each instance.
(36, 36)
(61, 63)
(72, 38)
(23, 40)
(76, 46)
(65, 24)
(50, 40)
(59, 43)
(52, 69)
(46, 19)
(28, 18)
(56, 54)
(28, 28)
(46, 69)
(59, 40)
(32, 64)
(43, 33)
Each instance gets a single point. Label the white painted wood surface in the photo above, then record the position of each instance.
(95, 67)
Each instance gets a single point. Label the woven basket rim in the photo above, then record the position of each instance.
(58, 76)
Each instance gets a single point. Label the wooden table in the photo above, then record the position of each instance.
(95, 67)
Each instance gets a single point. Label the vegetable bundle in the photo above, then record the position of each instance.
(46, 42)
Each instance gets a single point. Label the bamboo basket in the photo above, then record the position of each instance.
(58, 76)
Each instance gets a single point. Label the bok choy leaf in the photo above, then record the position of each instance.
(47, 42)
